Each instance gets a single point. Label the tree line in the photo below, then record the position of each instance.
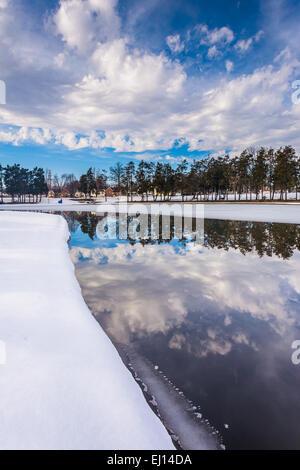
(257, 174)
(253, 174)
(20, 183)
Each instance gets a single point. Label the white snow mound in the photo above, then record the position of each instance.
(62, 383)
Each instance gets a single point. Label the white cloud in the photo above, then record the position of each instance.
(130, 99)
(222, 281)
(255, 102)
(244, 44)
(258, 35)
(215, 36)
(25, 134)
(174, 43)
(82, 23)
(212, 52)
(150, 108)
(229, 65)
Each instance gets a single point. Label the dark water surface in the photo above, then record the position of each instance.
(218, 318)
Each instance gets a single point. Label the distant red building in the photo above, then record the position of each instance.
(109, 193)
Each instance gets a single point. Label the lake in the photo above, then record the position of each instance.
(214, 321)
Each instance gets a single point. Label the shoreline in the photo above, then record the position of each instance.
(63, 384)
(260, 212)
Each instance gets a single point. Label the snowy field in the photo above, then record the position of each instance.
(50, 201)
(285, 213)
(262, 212)
(292, 196)
(62, 383)
(44, 200)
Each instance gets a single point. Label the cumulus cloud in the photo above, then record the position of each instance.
(260, 94)
(25, 134)
(90, 88)
(81, 23)
(212, 289)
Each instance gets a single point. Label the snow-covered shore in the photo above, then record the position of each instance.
(284, 213)
(62, 383)
(261, 212)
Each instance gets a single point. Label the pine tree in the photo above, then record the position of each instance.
(260, 172)
(141, 179)
(83, 185)
(91, 182)
(284, 170)
(127, 179)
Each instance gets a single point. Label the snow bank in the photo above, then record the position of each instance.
(260, 212)
(285, 213)
(254, 212)
(62, 384)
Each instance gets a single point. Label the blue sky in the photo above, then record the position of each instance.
(93, 82)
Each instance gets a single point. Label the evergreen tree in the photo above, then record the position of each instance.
(141, 179)
(260, 172)
(83, 185)
(284, 170)
(181, 177)
(101, 181)
(91, 182)
(127, 179)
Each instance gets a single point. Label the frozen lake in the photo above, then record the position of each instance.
(216, 319)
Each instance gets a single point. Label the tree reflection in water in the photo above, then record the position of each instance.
(263, 238)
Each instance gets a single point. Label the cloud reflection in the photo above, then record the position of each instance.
(143, 290)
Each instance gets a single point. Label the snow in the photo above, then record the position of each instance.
(62, 383)
(260, 212)
(285, 213)
(51, 201)
(212, 197)
(44, 200)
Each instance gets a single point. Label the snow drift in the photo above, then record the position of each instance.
(62, 384)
